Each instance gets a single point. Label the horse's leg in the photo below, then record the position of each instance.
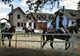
(51, 43)
(3, 37)
(44, 43)
(31, 33)
(10, 41)
(2, 40)
(27, 33)
(43, 36)
(67, 47)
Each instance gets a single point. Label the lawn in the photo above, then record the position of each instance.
(5, 51)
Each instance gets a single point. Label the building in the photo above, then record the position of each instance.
(68, 16)
(35, 20)
(16, 17)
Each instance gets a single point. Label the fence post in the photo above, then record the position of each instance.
(41, 41)
(15, 40)
(73, 42)
(0, 41)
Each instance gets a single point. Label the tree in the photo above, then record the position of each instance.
(6, 1)
(79, 5)
(37, 5)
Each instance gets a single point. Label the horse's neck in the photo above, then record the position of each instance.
(9, 30)
(59, 31)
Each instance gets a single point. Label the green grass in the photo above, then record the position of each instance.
(4, 51)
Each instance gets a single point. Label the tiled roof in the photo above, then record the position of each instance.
(45, 15)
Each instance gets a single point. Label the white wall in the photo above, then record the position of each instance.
(64, 22)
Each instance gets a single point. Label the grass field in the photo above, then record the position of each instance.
(4, 51)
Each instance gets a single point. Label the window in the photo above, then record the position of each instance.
(73, 14)
(34, 25)
(21, 24)
(30, 18)
(30, 23)
(39, 18)
(18, 16)
(24, 24)
(18, 24)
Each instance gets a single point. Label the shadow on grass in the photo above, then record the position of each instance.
(5, 51)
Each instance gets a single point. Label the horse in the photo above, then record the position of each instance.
(27, 31)
(9, 36)
(62, 37)
(44, 30)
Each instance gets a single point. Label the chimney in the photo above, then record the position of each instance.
(63, 8)
(11, 7)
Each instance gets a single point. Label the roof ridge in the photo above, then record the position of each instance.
(15, 10)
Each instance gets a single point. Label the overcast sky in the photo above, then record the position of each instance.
(5, 9)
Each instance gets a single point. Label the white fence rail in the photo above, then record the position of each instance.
(16, 40)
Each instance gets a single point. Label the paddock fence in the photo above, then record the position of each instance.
(41, 41)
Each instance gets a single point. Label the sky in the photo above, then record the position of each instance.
(5, 9)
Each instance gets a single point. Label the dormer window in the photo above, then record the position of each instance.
(73, 14)
(27, 16)
(39, 18)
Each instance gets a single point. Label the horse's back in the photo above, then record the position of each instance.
(49, 37)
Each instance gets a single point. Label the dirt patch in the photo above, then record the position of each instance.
(37, 45)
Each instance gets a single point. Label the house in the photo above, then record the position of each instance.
(16, 17)
(35, 20)
(68, 16)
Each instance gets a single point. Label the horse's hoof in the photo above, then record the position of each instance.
(66, 48)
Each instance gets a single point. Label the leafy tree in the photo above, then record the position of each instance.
(79, 5)
(6, 1)
(37, 5)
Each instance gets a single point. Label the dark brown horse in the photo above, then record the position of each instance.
(44, 30)
(62, 37)
(27, 31)
(8, 35)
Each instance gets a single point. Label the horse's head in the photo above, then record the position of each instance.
(23, 28)
(76, 28)
(72, 29)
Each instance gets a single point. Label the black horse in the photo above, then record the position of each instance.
(9, 36)
(62, 37)
(27, 31)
